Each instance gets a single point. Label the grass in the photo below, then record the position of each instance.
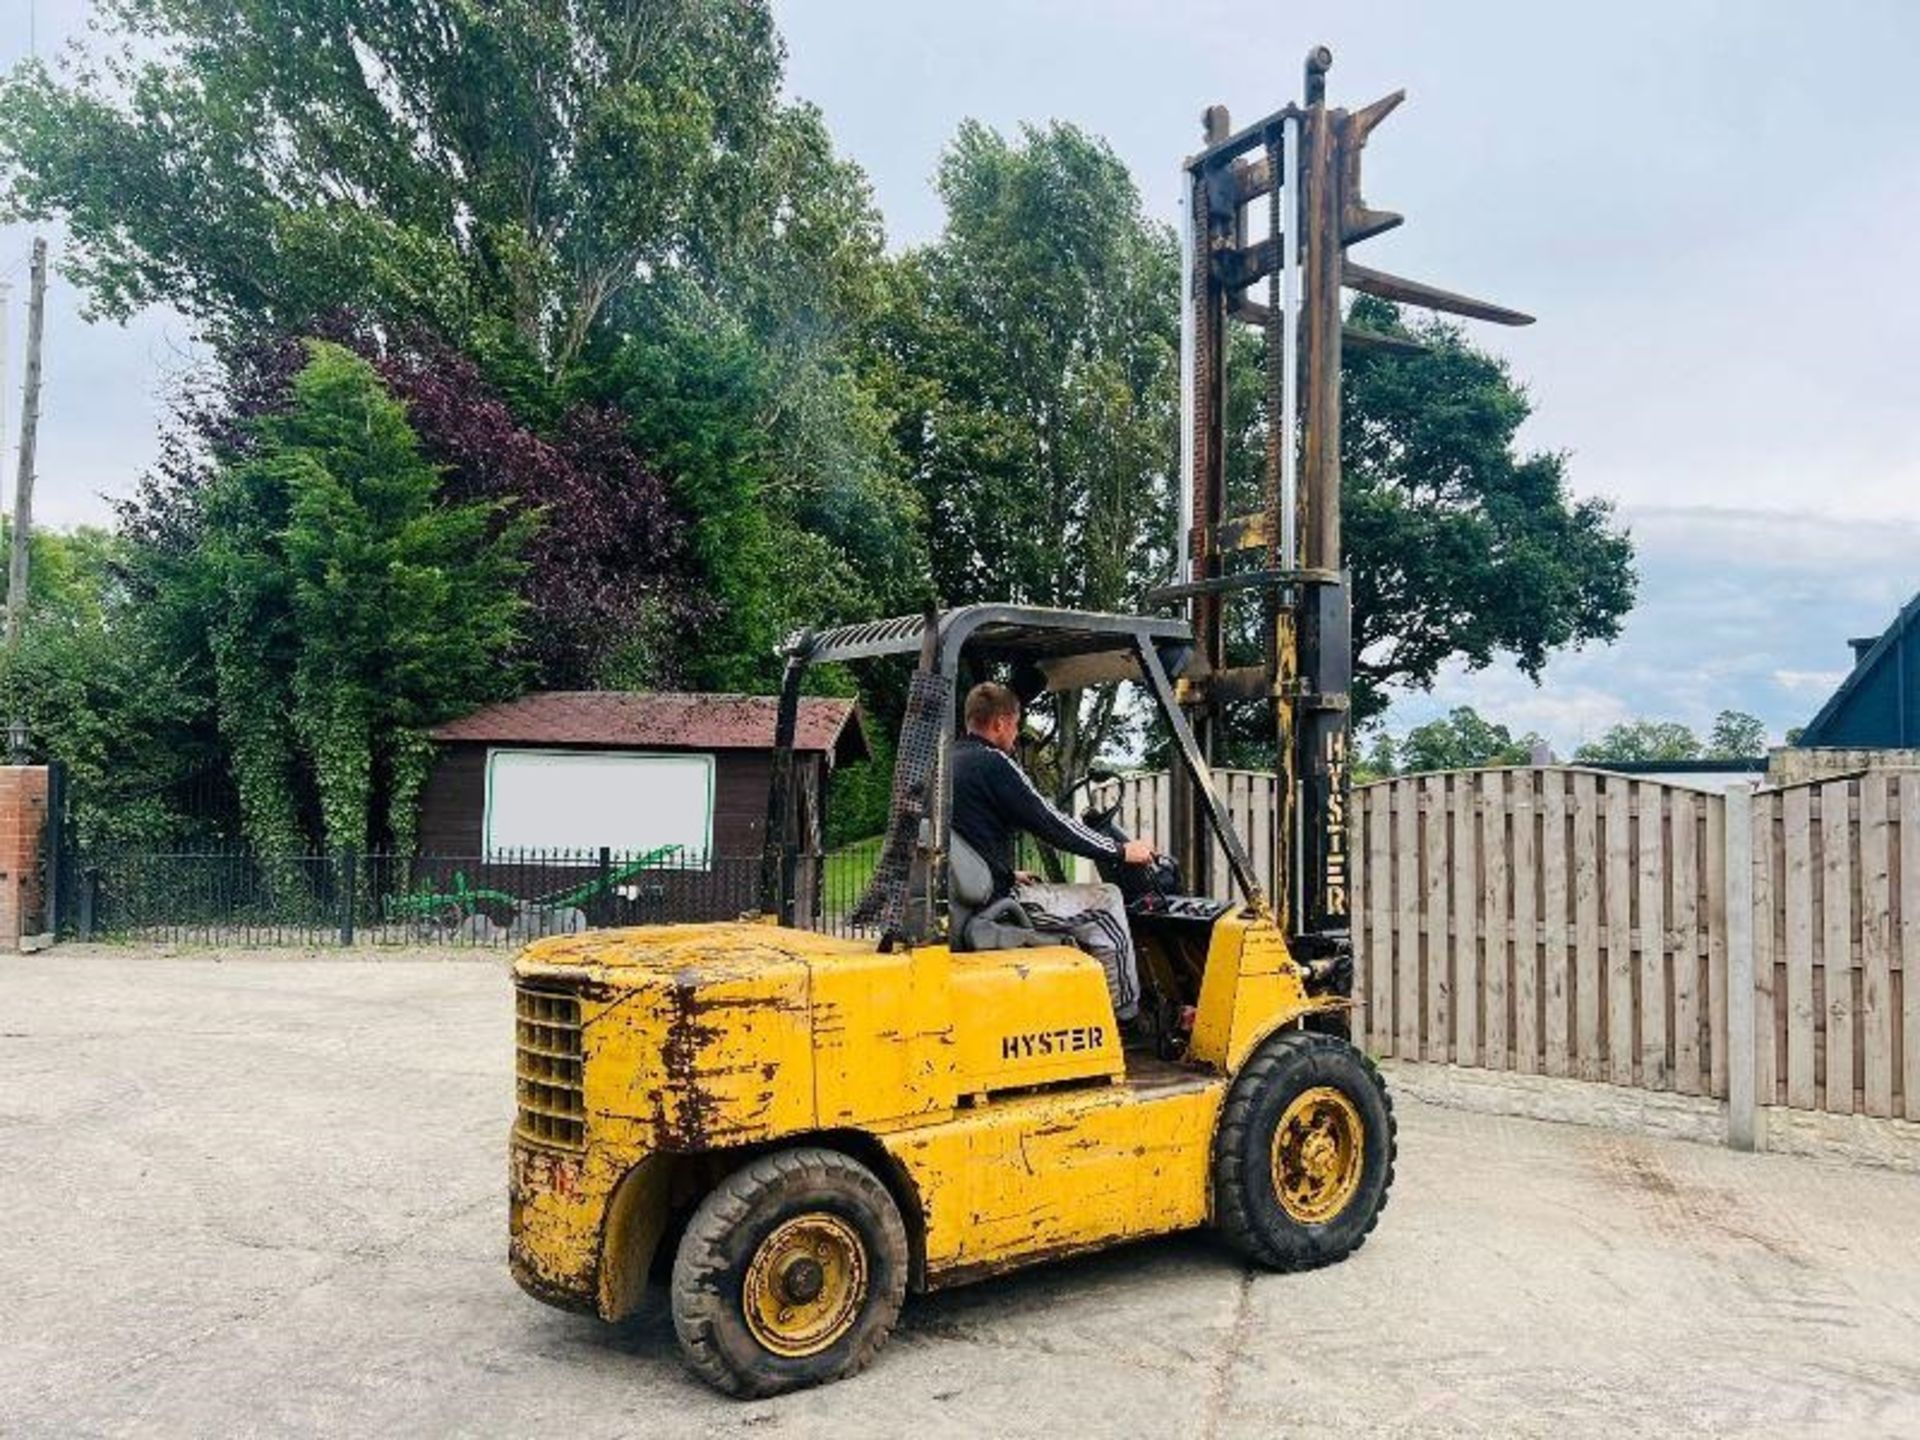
(846, 873)
(847, 870)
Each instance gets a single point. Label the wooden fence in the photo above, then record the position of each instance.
(1753, 947)
(1564, 922)
(1249, 799)
(1836, 938)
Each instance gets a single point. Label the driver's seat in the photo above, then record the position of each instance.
(977, 920)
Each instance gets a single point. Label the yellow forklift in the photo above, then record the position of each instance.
(825, 1123)
(794, 1129)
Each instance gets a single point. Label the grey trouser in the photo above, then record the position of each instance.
(1094, 917)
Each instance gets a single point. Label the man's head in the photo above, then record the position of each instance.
(993, 713)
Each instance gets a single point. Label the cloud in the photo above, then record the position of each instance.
(1800, 542)
(1739, 609)
(1565, 714)
(1822, 682)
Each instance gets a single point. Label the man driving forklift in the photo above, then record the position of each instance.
(994, 802)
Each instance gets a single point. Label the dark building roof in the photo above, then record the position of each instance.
(652, 720)
(1877, 706)
(1756, 765)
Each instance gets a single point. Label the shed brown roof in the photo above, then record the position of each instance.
(657, 720)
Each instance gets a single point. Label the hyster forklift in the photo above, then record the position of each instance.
(794, 1128)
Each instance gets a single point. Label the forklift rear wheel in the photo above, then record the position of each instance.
(791, 1273)
(1304, 1154)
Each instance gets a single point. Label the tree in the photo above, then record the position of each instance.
(1462, 740)
(1379, 760)
(780, 459)
(1642, 740)
(1030, 355)
(744, 384)
(619, 280)
(1737, 735)
(347, 611)
(101, 694)
(509, 169)
(606, 580)
(1461, 547)
(592, 209)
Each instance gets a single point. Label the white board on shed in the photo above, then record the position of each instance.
(586, 800)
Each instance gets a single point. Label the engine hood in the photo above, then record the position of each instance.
(716, 951)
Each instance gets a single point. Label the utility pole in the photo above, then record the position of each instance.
(1279, 202)
(29, 428)
(6, 334)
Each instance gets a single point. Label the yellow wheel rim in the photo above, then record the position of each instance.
(806, 1284)
(1318, 1152)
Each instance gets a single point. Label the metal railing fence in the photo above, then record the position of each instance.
(219, 896)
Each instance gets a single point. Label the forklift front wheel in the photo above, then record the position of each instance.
(791, 1273)
(1304, 1154)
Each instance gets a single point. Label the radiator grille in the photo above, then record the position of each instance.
(552, 1108)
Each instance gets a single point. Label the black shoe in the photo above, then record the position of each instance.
(1138, 1032)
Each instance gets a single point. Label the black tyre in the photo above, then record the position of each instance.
(1303, 1157)
(791, 1273)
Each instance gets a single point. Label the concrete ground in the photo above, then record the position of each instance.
(264, 1195)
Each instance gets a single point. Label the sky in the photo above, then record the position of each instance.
(1706, 204)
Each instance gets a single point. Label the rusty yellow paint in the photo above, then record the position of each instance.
(1037, 1176)
(1032, 1017)
(805, 1284)
(556, 1215)
(694, 1037)
(996, 1082)
(636, 1219)
(1319, 1150)
(1251, 988)
(883, 1041)
(730, 943)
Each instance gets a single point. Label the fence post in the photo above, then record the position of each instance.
(1742, 1087)
(89, 901)
(53, 849)
(605, 905)
(349, 882)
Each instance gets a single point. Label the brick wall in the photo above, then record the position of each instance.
(23, 818)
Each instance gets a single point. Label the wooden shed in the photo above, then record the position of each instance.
(575, 773)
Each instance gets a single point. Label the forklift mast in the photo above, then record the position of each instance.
(1274, 575)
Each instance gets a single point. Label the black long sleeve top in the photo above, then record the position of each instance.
(994, 803)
